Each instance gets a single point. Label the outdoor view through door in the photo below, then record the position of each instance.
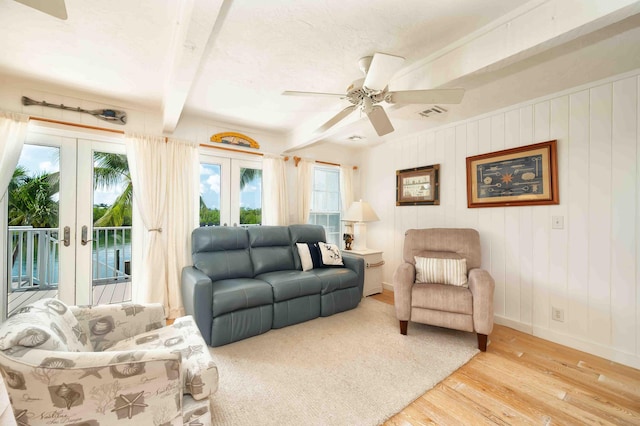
(230, 192)
(61, 244)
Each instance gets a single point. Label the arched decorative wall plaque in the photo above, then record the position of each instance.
(233, 138)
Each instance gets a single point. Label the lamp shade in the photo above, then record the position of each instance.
(360, 211)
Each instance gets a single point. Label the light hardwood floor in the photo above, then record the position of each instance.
(524, 380)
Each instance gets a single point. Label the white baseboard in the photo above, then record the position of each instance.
(516, 325)
(387, 286)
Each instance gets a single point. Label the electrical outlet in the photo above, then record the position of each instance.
(557, 314)
(557, 222)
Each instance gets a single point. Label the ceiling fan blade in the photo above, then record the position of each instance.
(55, 8)
(436, 96)
(336, 119)
(328, 95)
(380, 120)
(382, 68)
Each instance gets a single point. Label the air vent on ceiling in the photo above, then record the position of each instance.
(355, 138)
(432, 111)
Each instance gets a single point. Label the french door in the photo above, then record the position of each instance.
(53, 249)
(230, 191)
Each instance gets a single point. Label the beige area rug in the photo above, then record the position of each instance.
(353, 368)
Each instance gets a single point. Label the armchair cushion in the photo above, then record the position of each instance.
(45, 324)
(441, 271)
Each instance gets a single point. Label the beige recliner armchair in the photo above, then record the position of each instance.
(462, 307)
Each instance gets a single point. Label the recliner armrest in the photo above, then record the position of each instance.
(197, 297)
(403, 279)
(356, 264)
(482, 286)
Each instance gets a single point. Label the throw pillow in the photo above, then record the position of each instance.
(441, 271)
(331, 255)
(309, 256)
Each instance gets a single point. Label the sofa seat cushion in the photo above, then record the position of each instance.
(441, 297)
(333, 279)
(240, 293)
(199, 372)
(291, 284)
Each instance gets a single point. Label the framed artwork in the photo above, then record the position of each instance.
(418, 186)
(523, 176)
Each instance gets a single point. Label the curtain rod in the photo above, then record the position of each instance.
(297, 160)
(67, 123)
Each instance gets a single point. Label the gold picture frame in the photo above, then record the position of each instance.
(523, 176)
(418, 186)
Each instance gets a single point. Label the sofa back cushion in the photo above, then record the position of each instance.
(222, 252)
(44, 324)
(270, 249)
(305, 234)
(450, 242)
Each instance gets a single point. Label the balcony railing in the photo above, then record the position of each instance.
(33, 254)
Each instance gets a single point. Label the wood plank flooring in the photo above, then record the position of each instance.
(524, 380)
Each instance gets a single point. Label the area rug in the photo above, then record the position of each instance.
(353, 368)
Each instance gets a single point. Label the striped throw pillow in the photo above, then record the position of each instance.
(441, 271)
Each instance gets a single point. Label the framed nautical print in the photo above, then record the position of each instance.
(522, 176)
(418, 186)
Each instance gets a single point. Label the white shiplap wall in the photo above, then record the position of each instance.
(589, 269)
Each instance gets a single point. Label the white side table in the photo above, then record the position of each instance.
(372, 269)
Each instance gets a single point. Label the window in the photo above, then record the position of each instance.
(325, 202)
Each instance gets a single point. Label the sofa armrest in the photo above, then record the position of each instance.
(197, 297)
(107, 324)
(356, 264)
(482, 286)
(94, 387)
(403, 279)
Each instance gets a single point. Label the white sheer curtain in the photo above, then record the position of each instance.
(147, 164)
(305, 187)
(346, 187)
(275, 205)
(182, 210)
(13, 130)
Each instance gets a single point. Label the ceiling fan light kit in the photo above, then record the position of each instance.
(367, 93)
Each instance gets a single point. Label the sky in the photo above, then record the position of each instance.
(250, 196)
(45, 159)
(40, 159)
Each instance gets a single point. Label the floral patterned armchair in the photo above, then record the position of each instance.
(105, 365)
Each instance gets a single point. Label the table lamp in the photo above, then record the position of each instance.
(360, 212)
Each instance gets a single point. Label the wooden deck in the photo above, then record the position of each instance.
(102, 295)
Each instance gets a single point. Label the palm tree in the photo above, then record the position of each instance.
(31, 199)
(112, 169)
(247, 175)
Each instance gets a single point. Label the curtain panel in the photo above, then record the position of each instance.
(275, 205)
(305, 188)
(346, 187)
(147, 164)
(182, 212)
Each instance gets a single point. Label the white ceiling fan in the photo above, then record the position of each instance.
(54, 8)
(367, 93)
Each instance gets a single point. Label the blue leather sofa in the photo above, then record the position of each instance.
(246, 281)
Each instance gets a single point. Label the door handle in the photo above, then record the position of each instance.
(66, 236)
(84, 240)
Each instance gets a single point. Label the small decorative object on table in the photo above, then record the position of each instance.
(348, 238)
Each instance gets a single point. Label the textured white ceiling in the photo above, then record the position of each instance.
(229, 60)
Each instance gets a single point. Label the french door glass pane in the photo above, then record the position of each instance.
(210, 175)
(250, 196)
(112, 220)
(33, 221)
